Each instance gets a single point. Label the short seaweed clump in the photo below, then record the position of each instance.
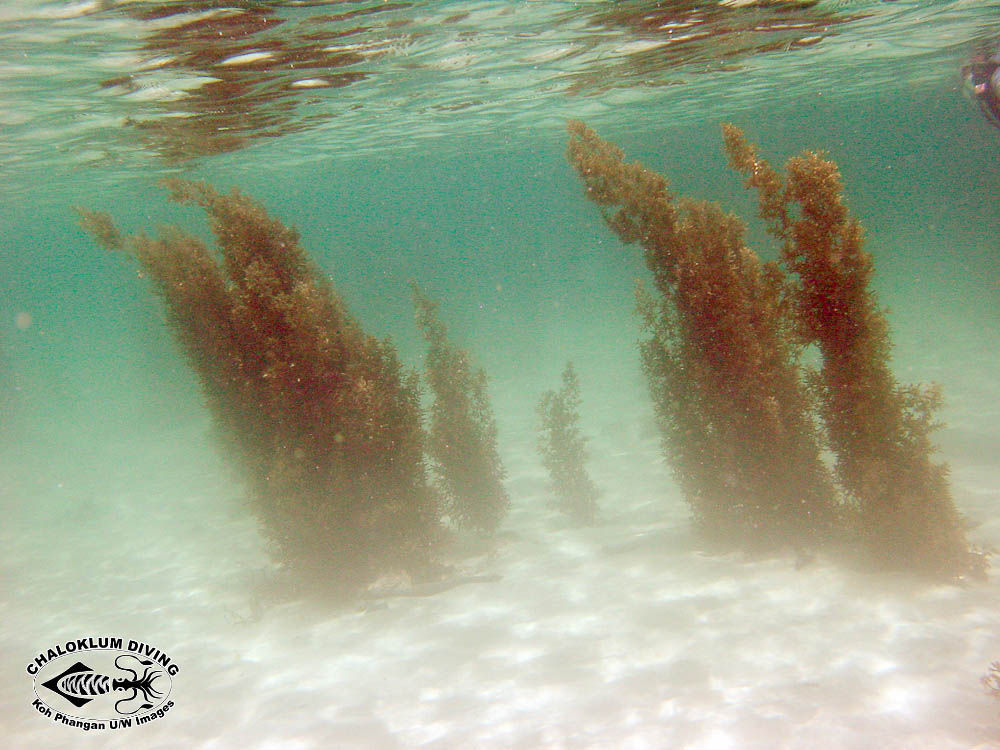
(991, 680)
(563, 449)
(718, 359)
(320, 416)
(740, 415)
(463, 432)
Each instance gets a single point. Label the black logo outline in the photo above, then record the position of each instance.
(79, 684)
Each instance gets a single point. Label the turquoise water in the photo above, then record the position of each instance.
(442, 160)
(501, 232)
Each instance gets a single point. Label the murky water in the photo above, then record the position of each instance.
(425, 141)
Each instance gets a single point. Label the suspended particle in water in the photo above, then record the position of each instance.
(23, 320)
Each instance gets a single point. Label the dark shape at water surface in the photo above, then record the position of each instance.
(320, 417)
(255, 74)
(216, 76)
(738, 412)
(684, 36)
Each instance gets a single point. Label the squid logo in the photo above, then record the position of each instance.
(80, 684)
(102, 683)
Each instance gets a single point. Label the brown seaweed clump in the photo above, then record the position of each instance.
(719, 361)
(563, 449)
(463, 432)
(320, 416)
(879, 429)
(738, 411)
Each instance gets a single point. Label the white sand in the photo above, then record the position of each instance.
(626, 635)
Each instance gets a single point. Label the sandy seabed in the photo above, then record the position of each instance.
(623, 635)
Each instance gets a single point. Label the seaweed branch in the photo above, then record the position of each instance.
(563, 449)
(738, 414)
(732, 406)
(320, 416)
(879, 429)
(463, 432)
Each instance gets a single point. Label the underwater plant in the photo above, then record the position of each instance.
(563, 449)
(320, 417)
(879, 429)
(463, 434)
(740, 414)
(718, 359)
(991, 680)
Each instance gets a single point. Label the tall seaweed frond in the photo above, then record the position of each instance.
(320, 416)
(879, 429)
(563, 449)
(463, 432)
(732, 405)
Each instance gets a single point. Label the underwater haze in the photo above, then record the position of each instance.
(426, 141)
